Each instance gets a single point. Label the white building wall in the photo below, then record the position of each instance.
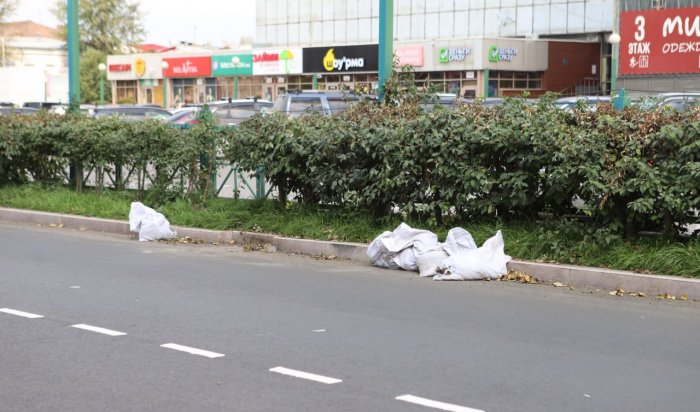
(323, 22)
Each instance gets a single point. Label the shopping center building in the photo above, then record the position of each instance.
(466, 47)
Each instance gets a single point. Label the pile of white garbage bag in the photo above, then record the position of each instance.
(457, 258)
(149, 224)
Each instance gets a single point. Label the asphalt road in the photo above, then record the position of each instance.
(259, 324)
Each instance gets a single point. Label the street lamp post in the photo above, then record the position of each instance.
(102, 67)
(386, 43)
(236, 62)
(165, 66)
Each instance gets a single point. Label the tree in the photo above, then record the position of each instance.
(106, 27)
(110, 26)
(7, 7)
(90, 77)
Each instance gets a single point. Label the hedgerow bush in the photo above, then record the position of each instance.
(617, 171)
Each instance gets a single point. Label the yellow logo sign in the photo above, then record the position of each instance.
(139, 66)
(329, 60)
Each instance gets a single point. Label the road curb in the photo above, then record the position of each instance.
(580, 276)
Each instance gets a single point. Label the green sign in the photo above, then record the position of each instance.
(446, 55)
(500, 54)
(232, 65)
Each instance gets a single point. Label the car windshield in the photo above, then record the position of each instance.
(341, 103)
(234, 113)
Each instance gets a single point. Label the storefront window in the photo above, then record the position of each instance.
(503, 81)
(224, 88)
(183, 92)
(210, 90)
(126, 91)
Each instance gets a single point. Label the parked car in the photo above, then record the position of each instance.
(132, 112)
(41, 105)
(5, 111)
(306, 102)
(86, 109)
(677, 101)
(446, 100)
(234, 112)
(7, 104)
(185, 115)
(591, 102)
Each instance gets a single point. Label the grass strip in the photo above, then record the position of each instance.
(526, 240)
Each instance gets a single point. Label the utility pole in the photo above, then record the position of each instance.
(73, 56)
(386, 43)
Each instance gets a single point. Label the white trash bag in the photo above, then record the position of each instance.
(487, 262)
(398, 249)
(458, 240)
(149, 224)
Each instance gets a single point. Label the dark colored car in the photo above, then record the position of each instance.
(4, 111)
(132, 113)
(303, 103)
(234, 112)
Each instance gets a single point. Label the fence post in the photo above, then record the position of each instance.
(260, 183)
(118, 176)
(203, 164)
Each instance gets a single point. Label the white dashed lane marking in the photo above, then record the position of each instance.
(99, 330)
(435, 404)
(20, 313)
(193, 351)
(305, 375)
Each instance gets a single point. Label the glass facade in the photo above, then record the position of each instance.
(127, 91)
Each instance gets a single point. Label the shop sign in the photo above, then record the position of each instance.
(502, 54)
(119, 68)
(188, 67)
(409, 56)
(232, 65)
(279, 61)
(341, 59)
(139, 66)
(662, 41)
(447, 55)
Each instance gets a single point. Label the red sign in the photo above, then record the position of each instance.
(119, 67)
(660, 41)
(265, 57)
(188, 67)
(409, 56)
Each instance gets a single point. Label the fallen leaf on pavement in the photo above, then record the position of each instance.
(558, 285)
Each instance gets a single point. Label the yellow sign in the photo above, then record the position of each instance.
(329, 60)
(139, 66)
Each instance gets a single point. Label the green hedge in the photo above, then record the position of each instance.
(627, 170)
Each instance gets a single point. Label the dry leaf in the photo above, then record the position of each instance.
(558, 284)
(641, 295)
(60, 226)
(53, 225)
(683, 297)
(665, 296)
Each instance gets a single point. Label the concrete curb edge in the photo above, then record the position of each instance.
(580, 276)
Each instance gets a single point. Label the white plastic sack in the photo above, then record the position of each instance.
(428, 262)
(458, 240)
(398, 249)
(149, 224)
(487, 262)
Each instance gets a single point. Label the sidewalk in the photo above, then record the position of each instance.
(579, 276)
